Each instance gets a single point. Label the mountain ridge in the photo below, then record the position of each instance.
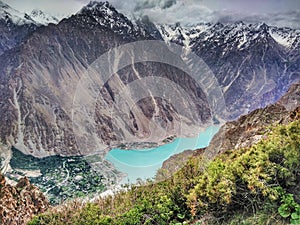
(19, 18)
(16, 26)
(251, 73)
(80, 49)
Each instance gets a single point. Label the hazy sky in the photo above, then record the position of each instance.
(274, 12)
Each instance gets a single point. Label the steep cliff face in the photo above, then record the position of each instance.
(18, 204)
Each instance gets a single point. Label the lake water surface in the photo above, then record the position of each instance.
(144, 163)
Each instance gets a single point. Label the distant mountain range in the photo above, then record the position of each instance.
(254, 65)
(15, 26)
(37, 17)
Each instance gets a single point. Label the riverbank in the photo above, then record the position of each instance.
(142, 164)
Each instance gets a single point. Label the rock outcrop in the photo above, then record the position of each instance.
(18, 204)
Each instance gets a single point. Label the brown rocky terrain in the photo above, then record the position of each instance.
(18, 204)
(39, 80)
(249, 129)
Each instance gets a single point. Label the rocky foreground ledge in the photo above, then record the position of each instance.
(18, 204)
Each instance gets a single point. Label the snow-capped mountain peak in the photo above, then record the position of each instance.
(95, 8)
(43, 18)
(9, 14)
(286, 37)
(104, 14)
(237, 35)
(36, 17)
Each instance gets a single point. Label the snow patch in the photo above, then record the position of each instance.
(43, 18)
(243, 41)
(284, 41)
(18, 18)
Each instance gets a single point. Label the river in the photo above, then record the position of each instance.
(144, 163)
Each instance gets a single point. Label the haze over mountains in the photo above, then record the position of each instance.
(254, 65)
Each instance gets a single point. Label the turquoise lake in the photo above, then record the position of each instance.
(144, 163)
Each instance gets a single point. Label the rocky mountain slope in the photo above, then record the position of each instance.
(18, 204)
(249, 129)
(253, 63)
(39, 91)
(243, 132)
(41, 78)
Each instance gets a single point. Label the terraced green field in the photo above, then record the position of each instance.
(59, 177)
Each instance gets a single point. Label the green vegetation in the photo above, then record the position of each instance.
(289, 209)
(256, 185)
(62, 177)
